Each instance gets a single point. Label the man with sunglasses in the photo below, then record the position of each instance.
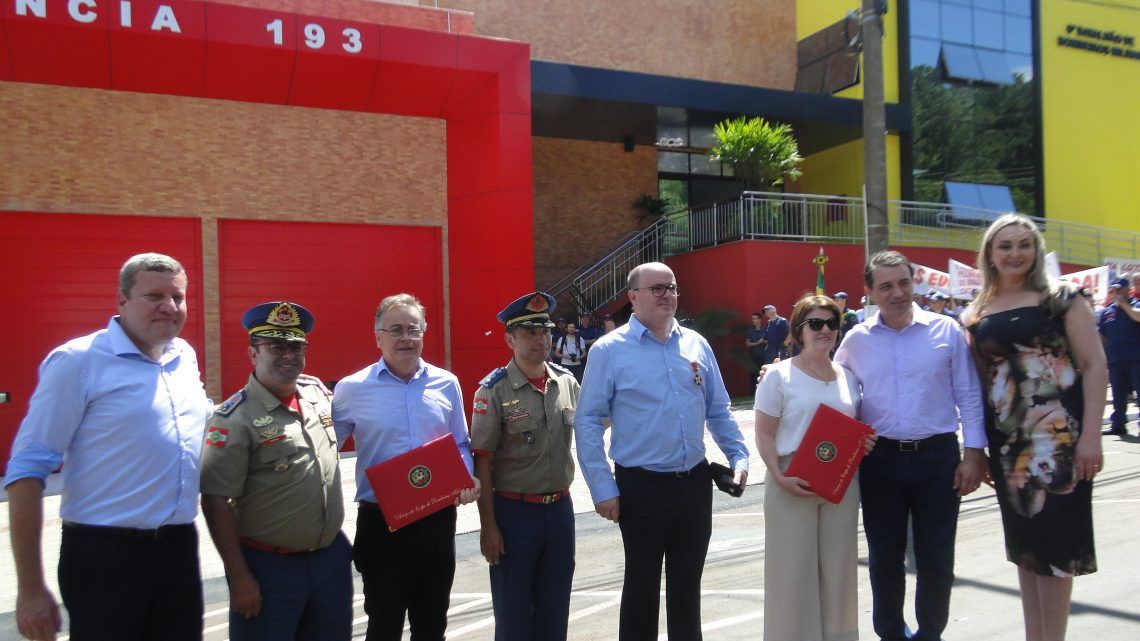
(917, 376)
(271, 491)
(660, 385)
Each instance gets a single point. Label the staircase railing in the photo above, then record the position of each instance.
(821, 219)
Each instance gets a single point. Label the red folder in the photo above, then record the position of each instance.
(423, 481)
(830, 453)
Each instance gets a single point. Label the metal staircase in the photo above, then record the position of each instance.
(819, 219)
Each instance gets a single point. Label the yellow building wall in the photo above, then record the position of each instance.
(839, 170)
(813, 15)
(1090, 102)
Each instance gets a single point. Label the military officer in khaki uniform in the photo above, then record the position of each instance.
(521, 429)
(271, 491)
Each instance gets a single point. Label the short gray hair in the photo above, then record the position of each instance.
(400, 300)
(145, 263)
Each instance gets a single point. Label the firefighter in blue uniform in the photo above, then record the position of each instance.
(521, 428)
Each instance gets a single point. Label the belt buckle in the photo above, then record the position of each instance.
(549, 498)
(908, 446)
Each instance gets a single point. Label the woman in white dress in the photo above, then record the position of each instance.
(810, 548)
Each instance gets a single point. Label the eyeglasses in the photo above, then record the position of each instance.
(816, 324)
(659, 290)
(411, 332)
(281, 348)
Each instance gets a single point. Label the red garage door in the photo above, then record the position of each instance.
(60, 274)
(340, 273)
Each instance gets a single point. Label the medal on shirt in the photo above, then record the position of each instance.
(696, 374)
(326, 420)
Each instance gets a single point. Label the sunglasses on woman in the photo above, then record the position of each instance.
(816, 324)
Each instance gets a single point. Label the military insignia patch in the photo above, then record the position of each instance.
(419, 476)
(267, 431)
(826, 451)
(284, 315)
(281, 467)
(480, 405)
(537, 304)
(263, 421)
(273, 439)
(217, 436)
(510, 403)
(517, 416)
(227, 408)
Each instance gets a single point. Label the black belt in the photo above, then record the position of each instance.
(157, 534)
(915, 445)
(699, 467)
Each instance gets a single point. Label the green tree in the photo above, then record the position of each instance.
(761, 154)
(972, 133)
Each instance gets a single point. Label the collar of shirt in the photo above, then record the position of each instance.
(382, 368)
(636, 328)
(919, 317)
(122, 345)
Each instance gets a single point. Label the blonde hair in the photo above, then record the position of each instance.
(1036, 280)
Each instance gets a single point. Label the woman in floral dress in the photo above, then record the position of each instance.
(1043, 369)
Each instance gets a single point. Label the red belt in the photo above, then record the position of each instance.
(265, 547)
(534, 498)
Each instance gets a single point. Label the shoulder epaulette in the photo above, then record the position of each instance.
(230, 404)
(495, 376)
(560, 369)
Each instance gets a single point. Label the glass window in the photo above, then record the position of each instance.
(701, 164)
(1020, 65)
(676, 192)
(1017, 8)
(924, 19)
(1018, 35)
(957, 24)
(702, 136)
(996, 198)
(961, 63)
(989, 29)
(995, 66)
(673, 162)
(924, 51)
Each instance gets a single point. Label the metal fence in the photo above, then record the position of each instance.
(822, 219)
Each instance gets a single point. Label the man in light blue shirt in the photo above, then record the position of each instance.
(125, 409)
(660, 385)
(917, 376)
(389, 408)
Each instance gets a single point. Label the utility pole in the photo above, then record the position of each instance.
(874, 126)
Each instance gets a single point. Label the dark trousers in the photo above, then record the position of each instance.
(919, 485)
(304, 597)
(406, 572)
(663, 516)
(530, 587)
(124, 587)
(1124, 376)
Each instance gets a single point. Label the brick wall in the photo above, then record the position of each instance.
(747, 42)
(583, 195)
(89, 151)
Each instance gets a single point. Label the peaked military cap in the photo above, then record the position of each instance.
(278, 319)
(532, 310)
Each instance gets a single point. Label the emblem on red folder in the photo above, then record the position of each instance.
(419, 476)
